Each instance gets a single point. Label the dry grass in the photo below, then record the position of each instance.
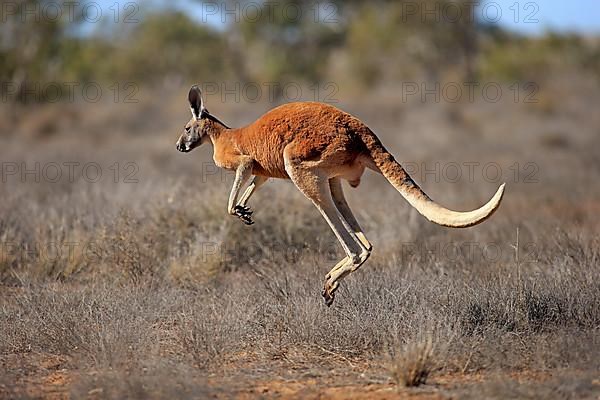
(164, 295)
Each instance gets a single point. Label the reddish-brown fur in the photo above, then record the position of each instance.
(312, 132)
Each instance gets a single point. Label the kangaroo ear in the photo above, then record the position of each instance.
(196, 103)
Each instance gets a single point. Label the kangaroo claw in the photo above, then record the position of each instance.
(244, 213)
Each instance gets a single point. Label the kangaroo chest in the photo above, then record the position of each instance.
(226, 155)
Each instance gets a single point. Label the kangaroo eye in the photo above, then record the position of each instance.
(188, 128)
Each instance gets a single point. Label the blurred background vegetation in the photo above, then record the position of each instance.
(360, 44)
(142, 271)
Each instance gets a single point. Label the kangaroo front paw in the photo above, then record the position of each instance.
(239, 209)
(244, 213)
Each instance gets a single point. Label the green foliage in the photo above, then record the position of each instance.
(284, 46)
(31, 48)
(535, 59)
(159, 46)
(405, 41)
(170, 44)
(360, 43)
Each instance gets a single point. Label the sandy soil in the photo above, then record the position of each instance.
(46, 376)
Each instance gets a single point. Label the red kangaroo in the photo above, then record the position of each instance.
(316, 146)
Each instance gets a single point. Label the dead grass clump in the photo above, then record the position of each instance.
(414, 362)
(555, 140)
(562, 385)
(213, 329)
(155, 381)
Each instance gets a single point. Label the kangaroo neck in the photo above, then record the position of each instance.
(216, 128)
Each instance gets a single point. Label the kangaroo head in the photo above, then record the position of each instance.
(196, 131)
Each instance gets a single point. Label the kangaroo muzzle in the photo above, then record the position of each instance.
(182, 146)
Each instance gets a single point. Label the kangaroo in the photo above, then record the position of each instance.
(316, 146)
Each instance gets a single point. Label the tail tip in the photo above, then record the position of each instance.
(500, 193)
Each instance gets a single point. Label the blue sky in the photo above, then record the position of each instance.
(525, 16)
(563, 15)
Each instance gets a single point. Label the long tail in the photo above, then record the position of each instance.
(399, 178)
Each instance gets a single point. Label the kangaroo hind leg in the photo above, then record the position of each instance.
(335, 184)
(314, 184)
